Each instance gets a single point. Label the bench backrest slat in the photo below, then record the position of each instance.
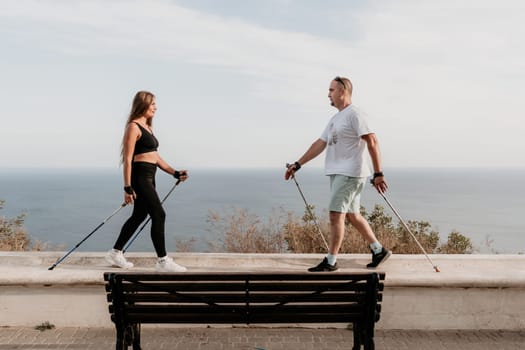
(225, 298)
(183, 286)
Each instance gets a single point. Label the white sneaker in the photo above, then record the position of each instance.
(166, 264)
(116, 258)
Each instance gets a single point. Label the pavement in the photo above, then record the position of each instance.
(247, 338)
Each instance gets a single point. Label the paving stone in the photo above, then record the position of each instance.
(17, 338)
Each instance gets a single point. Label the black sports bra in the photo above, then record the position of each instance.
(146, 143)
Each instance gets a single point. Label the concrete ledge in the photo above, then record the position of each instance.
(471, 292)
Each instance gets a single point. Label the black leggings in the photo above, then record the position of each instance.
(147, 202)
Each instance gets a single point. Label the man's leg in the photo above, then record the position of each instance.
(342, 190)
(379, 254)
(359, 222)
(337, 232)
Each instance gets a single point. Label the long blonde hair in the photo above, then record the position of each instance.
(141, 103)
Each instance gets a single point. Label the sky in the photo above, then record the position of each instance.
(244, 83)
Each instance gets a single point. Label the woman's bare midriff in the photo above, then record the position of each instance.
(150, 157)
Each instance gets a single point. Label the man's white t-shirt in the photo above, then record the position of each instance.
(345, 149)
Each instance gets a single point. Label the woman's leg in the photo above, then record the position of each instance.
(130, 226)
(158, 219)
(150, 203)
(142, 175)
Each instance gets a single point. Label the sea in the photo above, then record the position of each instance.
(64, 206)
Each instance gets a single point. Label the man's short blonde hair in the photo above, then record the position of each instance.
(345, 83)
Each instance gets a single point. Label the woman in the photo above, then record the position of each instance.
(140, 161)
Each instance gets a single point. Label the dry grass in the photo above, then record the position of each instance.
(184, 246)
(240, 231)
(14, 237)
(243, 232)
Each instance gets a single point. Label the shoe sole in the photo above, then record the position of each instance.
(112, 264)
(312, 269)
(160, 269)
(382, 261)
(323, 270)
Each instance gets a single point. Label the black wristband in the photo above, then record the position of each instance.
(128, 189)
(378, 174)
(177, 174)
(297, 166)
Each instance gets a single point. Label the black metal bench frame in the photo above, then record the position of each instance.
(244, 298)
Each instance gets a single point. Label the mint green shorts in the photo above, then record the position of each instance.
(346, 193)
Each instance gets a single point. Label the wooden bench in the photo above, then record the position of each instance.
(244, 298)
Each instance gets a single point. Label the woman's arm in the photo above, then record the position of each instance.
(131, 135)
(162, 164)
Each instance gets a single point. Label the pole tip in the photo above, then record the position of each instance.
(437, 269)
(51, 268)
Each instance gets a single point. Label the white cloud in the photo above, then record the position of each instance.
(434, 75)
(167, 31)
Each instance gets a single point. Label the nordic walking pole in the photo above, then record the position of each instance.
(89, 235)
(149, 218)
(309, 210)
(406, 227)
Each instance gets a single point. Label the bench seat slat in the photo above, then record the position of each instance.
(220, 276)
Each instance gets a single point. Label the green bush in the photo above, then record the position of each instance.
(456, 244)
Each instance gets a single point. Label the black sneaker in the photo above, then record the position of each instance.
(378, 259)
(324, 266)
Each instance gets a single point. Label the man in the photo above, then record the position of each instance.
(346, 138)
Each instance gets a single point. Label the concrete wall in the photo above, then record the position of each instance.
(60, 305)
(453, 308)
